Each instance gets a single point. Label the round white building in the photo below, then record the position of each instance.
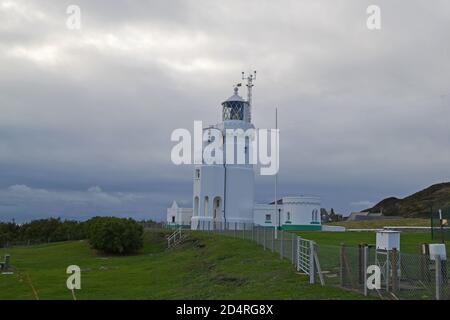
(223, 194)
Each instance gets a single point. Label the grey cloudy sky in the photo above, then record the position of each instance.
(86, 116)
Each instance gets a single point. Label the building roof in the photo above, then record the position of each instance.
(280, 201)
(235, 96)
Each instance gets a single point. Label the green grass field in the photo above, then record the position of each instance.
(208, 266)
(378, 224)
(409, 241)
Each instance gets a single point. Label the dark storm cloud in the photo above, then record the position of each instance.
(363, 114)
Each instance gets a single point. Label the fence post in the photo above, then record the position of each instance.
(432, 223)
(424, 262)
(253, 232)
(388, 272)
(341, 266)
(438, 266)
(366, 258)
(257, 236)
(297, 253)
(360, 263)
(265, 238)
(273, 240)
(281, 244)
(311, 263)
(293, 249)
(394, 270)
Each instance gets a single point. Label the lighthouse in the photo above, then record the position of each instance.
(223, 194)
(224, 189)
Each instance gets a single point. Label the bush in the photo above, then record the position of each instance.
(115, 235)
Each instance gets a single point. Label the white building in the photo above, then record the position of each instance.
(223, 194)
(292, 213)
(179, 217)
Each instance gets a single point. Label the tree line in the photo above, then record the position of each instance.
(107, 234)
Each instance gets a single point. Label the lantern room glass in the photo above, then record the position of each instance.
(233, 110)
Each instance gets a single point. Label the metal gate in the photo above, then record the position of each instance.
(305, 257)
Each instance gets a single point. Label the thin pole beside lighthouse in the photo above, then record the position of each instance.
(276, 216)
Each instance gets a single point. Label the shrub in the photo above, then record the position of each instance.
(115, 235)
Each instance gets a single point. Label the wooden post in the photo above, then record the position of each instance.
(424, 267)
(317, 265)
(438, 276)
(395, 280)
(347, 267)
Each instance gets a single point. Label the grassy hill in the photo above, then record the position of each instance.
(418, 204)
(208, 266)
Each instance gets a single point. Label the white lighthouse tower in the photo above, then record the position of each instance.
(224, 193)
(224, 189)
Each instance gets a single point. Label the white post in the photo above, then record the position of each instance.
(276, 178)
(387, 269)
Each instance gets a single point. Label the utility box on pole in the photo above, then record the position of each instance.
(437, 250)
(387, 257)
(388, 240)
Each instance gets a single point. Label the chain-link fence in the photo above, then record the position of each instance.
(440, 218)
(401, 275)
(278, 241)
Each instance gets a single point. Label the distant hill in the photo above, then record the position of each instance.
(418, 204)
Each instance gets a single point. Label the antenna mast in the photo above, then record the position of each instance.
(250, 78)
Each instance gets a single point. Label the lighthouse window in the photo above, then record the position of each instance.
(268, 217)
(288, 216)
(233, 110)
(197, 173)
(315, 215)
